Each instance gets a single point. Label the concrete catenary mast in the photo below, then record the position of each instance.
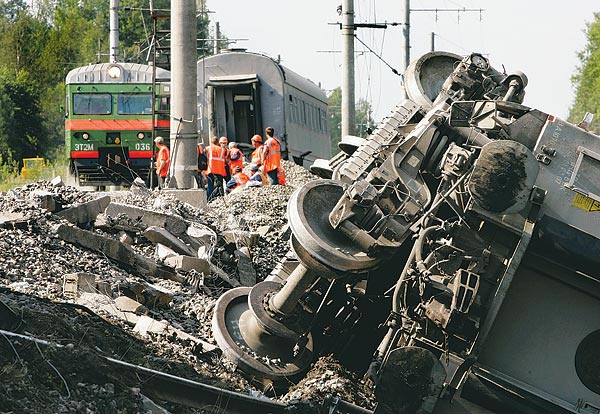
(183, 134)
(348, 110)
(114, 31)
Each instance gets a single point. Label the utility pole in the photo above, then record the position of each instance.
(217, 48)
(183, 133)
(406, 32)
(114, 31)
(348, 98)
(432, 41)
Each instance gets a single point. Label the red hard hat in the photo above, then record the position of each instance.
(223, 140)
(256, 138)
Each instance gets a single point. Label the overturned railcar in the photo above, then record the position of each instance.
(452, 257)
(241, 93)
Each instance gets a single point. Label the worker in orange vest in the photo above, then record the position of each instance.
(236, 157)
(257, 177)
(271, 156)
(256, 158)
(281, 175)
(223, 141)
(238, 180)
(163, 161)
(217, 168)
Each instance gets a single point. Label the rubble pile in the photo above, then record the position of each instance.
(131, 275)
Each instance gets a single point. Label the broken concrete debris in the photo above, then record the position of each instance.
(86, 212)
(77, 283)
(12, 221)
(163, 236)
(113, 249)
(41, 248)
(126, 304)
(147, 218)
(150, 295)
(187, 263)
(244, 267)
(240, 238)
(46, 200)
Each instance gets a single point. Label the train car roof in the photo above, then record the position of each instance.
(130, 72)
(241, 63)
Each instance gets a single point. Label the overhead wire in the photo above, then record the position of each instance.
(394, 70)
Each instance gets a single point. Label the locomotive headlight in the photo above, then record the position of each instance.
(114, 72)
(140, 135)
(117, 140)
(85, 136)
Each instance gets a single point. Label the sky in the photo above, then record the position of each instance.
(540, 38)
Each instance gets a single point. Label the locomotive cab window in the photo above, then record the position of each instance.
(92, 104)
(129, 104)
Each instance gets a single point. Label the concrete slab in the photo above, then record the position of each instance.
(103, 304)
(195, 197)
(146, 218)
(126, 304)
(203, 236)
(263, 231)
(115, 250)
(46, 200)
(124, 237)
(13, 221)
(187, 263)
(245, 268)
(163, 236)
(57, 181)
(86, 212)
(241, 238)
(163, 251)
(76, 283)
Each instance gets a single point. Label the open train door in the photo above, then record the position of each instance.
(235, 107)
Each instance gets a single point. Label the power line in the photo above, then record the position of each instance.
(394, 70)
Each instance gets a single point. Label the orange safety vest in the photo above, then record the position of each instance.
(239, 161)
(164, 154)
(255, 157)
(241, 179)
(217, 157)
(281, 175)
(272, 154)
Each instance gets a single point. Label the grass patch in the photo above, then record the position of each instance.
(10, 174)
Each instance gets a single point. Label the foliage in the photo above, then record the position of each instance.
(21, 131)
(363, 119)
(586, 81)
(41, 41)
(136, 28)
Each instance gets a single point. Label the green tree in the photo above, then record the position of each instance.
(21, 126)
(41, 43)
(11, 9)
(586, 80)
(363, 118)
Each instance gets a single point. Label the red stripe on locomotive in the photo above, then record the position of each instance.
(84, 154)
(94, 154)
(112, 124)
(140, 154)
